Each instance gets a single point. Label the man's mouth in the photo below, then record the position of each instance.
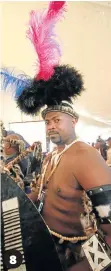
(52, 134)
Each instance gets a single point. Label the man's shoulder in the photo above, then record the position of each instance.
(81, 150)
(81, 147)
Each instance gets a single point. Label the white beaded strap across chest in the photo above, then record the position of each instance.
(56, 155)
(54, 161)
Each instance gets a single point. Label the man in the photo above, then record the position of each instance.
(6, 133)
(109, 152)
(99, 139)
(63, 191)
(97, 146)
(74, 189)
(13, 146)
(102, 148)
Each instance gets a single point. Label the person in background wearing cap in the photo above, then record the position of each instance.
(74, 188)
(109, 152)
(6, 133)
(12, 148)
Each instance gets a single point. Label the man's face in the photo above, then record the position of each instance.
(97, 145)
(6, 147)
(59, 127)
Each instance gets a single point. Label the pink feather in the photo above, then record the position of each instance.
(41, 34)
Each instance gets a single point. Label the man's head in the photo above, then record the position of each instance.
(109, 142)
(11, 144)
(60, 127)
(98, 145)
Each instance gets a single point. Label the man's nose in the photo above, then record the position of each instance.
(51, 126)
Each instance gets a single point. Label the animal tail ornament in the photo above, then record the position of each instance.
(52, 83)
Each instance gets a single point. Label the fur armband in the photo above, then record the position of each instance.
(101, 201)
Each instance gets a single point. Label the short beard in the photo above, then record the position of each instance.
(57, 141)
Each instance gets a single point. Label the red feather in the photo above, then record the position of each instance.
(41, 34)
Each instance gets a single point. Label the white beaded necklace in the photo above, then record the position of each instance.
(56, 158)
(61, 237)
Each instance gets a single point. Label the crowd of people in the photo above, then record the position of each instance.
(104, 148)
(26, 170)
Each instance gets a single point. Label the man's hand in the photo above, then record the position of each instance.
(33, 196)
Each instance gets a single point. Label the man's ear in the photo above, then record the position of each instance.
(74, 121)
(8, 145)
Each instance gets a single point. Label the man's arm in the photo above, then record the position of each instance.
(90, 169)
(33, 196)
(94, 176)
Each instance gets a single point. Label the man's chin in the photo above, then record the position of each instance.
(55, 140)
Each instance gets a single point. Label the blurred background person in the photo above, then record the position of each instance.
(109, 152)
(28, 167)
(13, 146)
(93, 144)
(6, 133)
(103, 149)
(101, 146)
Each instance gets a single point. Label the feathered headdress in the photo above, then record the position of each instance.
(53, 83)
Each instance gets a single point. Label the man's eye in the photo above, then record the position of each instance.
(57, 120)
(46, 122)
